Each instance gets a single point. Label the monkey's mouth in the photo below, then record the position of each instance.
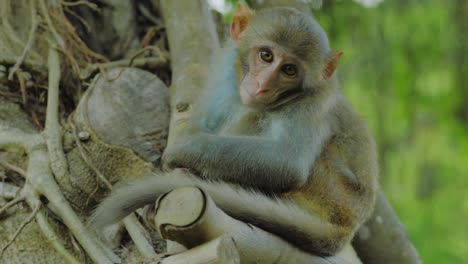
(287, 96)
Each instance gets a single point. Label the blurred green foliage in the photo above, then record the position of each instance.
(402, 73)
(405, 70)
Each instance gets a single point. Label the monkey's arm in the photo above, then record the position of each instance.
(263, 163)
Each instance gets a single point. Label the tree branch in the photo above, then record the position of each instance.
(190, 217)
(192, 40)
(11, 203)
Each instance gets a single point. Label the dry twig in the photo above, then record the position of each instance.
(52, 237)
(11, 203)
(14, 168)
(53, 130)
(8, 191)
(100, 178)
(27, 48)
(148, 63)
(130, 221)
(93, 6)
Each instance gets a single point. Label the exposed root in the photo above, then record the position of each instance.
(8, 191)
(130, 221)
(135, 231)
(51, 28)
(44, 226)
(100, 177)
(22, 84)
(51, 235)
(79, 18)
(77, 44)
(30, 197)
(93, 6)
(20, 228)
(14, 168)
(11, 203)
(28, 63)
(40, 181)
(29, 52)
(53, 130)
(45, 13)
(77, 247)
(27, 48)
(36, 121)
(153, 62)
(149, 36)
(152, 48)
(76, 51)
(5, 10)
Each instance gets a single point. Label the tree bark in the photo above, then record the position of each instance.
(192, 40)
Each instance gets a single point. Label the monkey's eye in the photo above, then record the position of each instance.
(289, 69)
(266, 55)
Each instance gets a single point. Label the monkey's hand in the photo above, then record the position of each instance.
(236, 159)
(175, 155)
(172, 159)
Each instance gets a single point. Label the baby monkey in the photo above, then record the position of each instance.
(277, 145)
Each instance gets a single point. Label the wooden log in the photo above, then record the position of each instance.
(221, 250)
(190, 217)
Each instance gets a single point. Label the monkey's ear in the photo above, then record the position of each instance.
(240, 20)
(332, 63)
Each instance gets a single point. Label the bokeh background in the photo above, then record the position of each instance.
(405, 70)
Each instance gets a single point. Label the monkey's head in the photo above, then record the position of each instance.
(283, 54)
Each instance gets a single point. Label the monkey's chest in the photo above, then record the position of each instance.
(248, 124)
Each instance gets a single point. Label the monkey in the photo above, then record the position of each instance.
(276, 143)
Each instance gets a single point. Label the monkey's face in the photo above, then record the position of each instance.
(273, 75)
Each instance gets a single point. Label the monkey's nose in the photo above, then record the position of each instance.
(262, 89)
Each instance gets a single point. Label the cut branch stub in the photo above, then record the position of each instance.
(190, 217)
(123, 118)
(131, 111)
(181, 210)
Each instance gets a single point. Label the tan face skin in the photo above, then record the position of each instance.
(272, 71)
